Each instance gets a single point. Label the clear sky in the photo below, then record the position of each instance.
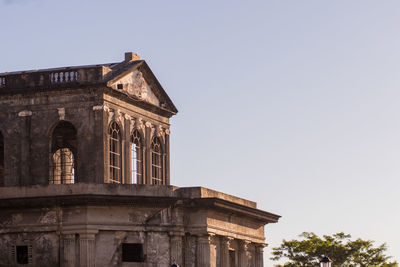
(294, 104)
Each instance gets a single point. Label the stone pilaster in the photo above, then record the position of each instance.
(176, 249)
(190, 251)
(244, 253)
(68, 256)
(225, 244)
(204, 255)
(87, 250)
(259, 255)
(214, 257)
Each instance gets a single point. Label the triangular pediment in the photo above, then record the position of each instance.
(135, 79)
(135, 84)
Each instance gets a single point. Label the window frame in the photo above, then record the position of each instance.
(62, 166)
(115, 153)
(136, 157)
(157, 166)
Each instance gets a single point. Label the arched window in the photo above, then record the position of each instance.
(1, 160)
(136, 157)
(63, 151)
(156, 162)
(63, 167)
(115, 153)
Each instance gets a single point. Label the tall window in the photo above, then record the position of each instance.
(156, 161)
(115, 153)
(1, 160)
(136, 158)
(63, 151)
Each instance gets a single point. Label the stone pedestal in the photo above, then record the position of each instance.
(87, 250)
(68, 255)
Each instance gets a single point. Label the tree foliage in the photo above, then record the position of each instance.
(339, 248)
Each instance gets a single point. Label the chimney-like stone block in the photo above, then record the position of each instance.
(130, 56)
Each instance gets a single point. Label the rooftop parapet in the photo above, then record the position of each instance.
(54, 77)
(132, 78)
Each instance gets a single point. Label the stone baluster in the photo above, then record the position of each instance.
(244, 253)
(87, 249)
(68, 255)
(176, 249)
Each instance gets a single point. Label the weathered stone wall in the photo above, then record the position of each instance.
(27, 121)
(86, 225)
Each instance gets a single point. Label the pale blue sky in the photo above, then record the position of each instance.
(293, 104)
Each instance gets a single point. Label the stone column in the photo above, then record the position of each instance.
(147, 155)
(167, 161)
(205, 257)
(225, 244)
(244, 253)
(68, 255)
(176, 249)
(127, 147)
(87, 250)
(25, 169)
(259, 254)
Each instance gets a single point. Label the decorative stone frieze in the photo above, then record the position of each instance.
(120, 116)
(24, 113)
(61, 113)
(140, 124)
(127, 117)
(101, 107)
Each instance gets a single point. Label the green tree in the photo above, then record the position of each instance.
(339, 248)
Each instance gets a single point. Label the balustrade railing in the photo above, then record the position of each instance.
(64, 77)
(51, 78)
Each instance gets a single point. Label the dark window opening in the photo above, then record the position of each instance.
(1, 160)
(120, 86)
(63, 151)
(22, 255)
(132, 252)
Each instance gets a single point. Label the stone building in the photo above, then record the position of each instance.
(85, 180)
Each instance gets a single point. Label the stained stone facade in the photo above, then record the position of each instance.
(85, 181)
